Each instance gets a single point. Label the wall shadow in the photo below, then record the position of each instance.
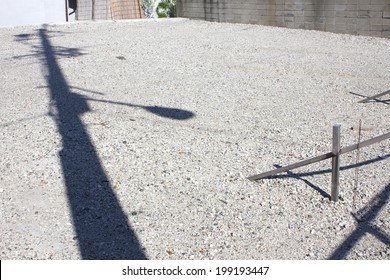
(364, 218)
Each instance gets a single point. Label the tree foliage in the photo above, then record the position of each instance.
(159, 8)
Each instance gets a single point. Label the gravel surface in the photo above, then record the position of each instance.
(134, 139)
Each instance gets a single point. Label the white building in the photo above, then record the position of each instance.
(25, 12)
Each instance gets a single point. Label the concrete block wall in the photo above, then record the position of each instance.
(359, 17)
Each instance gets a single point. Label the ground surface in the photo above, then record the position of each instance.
(134, 140)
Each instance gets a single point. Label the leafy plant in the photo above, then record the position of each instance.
(159, 8)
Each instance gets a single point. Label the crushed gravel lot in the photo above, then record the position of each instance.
(134, 140)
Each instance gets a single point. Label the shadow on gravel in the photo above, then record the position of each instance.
(364, 218)
(102, 227)
(377, 100)
(99, 221)
(300, 176)
(165, 112)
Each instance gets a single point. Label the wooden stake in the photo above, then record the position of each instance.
(357, 169)
(66, 10)
(320, 157)
(336, 163)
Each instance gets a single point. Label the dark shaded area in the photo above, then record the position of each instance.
(387, 102)
(170, 113)
(208, 8)
(100, 224)
(165, 112)
(300, 176)
(72, 4)
(297, 176)
(319, 172)
(364, 218)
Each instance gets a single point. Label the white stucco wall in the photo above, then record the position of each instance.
(24, 12)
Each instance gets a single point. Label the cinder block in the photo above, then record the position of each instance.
(320, 13)
(376, 33)
(363, 32)
(299, 25)
(299, 13)
(377, 7)
(310, 13)
(351, 28)
(386, 34)
(374, 27)
(309, 25)
(386, 14)
(340, 27)
(288, 19)
(351, 14)
(363, 25)
(340, 20)
(375, 14)
(289, 7)
(339, 7)
(309, 19)
(311, 7)
(288, 14)
(351, 20)
(330, 20)
(319, 26)
(385, 22)
(363, 14)
(364, 6)
(376, 21)
(329, 7)
(330, 14)
(379, 2)
(299, 19)
(329, 27)
(289, 24)
(320, 19)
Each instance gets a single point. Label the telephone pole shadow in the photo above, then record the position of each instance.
(101, 226)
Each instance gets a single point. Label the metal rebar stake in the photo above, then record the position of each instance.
(336, 163)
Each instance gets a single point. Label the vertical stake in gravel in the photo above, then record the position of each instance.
(334, 154)
(335, 163)
(93, 9)
(66, 10)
